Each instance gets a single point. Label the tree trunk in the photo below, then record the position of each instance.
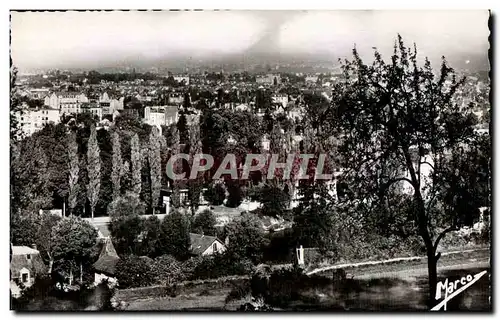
(432, 270)
(51, 263)
(92, 213)
(422, 223)
(431, 254)
(81, 273)
(71, 276)
(64, 207)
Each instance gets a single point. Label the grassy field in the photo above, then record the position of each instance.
(393, 287)
(396, 294)
(208, 301)
(405, 268)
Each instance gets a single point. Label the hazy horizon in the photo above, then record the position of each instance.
(100, 39)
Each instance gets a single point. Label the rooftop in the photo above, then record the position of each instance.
(107, 259)
(21, 250)
(200, 242)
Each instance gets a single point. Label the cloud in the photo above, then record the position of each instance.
(336, 32)
(51, 37)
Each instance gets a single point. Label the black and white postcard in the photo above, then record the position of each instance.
(245, 160)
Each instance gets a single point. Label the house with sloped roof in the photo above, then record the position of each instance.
(25, 265)
(202, 245)
(105, 266)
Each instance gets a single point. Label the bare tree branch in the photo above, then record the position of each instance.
(442, 234)
(394, 180)
(426, 162)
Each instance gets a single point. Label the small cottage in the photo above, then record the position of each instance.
(25, 265)
(202, 245)
(105, 266)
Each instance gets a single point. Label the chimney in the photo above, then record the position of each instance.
(34, 246)
(202, 233)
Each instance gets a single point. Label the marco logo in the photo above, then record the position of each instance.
(452, 289)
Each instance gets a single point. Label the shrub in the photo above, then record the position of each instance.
(274, 200)
(281, 245)
(221, 265)
(215, 194)
(126, 205)
(125, 231)
(167, 270)
(255, 193)
(133, 271)
(189, 266)
(150, 244)
(235, 195)
(246, 238)
(174, 235)
(204, 222)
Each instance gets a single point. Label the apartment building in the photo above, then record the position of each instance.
(32, 120)
(66, 102)
(161, 115)
(281, 99)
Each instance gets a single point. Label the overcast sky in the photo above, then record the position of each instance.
(51, 39)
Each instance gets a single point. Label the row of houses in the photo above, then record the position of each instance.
(105, 266)
(72, 102)
(56, 105)
(26, 263)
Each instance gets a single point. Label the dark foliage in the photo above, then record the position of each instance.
(215, 194)
(133, 271)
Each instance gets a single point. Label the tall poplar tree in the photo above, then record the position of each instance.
(74, 170)
(195, 185)
(136, 159)
(155, 166)
(117, 166)
(94, 170)
(175, 196)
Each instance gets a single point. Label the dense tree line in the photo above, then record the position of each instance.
(95, 77)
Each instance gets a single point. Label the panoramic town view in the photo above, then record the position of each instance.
(250, 161)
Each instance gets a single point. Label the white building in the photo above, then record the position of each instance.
(32, 120)
(295, 111)
(161, 115)
(110, 106)
(26, 265)
(182, 78)
(66, 102)
(281, 99)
